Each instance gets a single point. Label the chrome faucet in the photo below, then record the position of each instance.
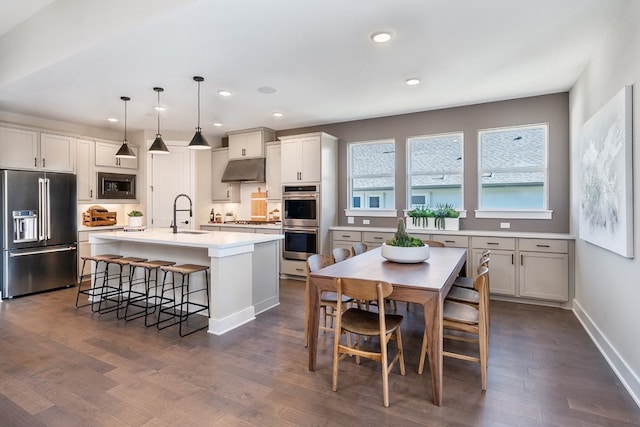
(175, 209)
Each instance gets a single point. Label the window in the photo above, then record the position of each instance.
(435, 170)
(371, 176)
(512, 172)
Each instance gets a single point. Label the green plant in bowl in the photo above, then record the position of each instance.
(135, 213)
(402, 238)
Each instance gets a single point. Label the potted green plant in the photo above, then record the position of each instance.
(445, 217)
(404, 248)
(135, 218)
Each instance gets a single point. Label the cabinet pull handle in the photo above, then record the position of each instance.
(377, 238)
(542, 246)
(43, 163)
(35, 162)
(493, 243)
(91, 193)
(345, 236)
(449, 241)
(521, 259)
(511, 259)
(227, 194)
(299, 269)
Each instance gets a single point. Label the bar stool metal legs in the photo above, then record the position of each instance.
(117, 293)
(150, 298)
(97, 279)
(180, 312)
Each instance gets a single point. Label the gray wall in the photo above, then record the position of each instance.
(552, 109)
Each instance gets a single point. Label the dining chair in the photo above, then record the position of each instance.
(358, 248)
(328, 300)
(471, 322)
(465, 295)
(368, 324)
(433, 243)
(340, 254)
(467, 282)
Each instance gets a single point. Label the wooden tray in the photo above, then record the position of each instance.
(259, 206)
(96, 217)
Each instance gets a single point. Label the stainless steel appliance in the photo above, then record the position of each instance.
(299, 242)
(38, 231)
(301, 205)
(116, 186)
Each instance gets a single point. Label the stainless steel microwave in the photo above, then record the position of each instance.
(116, 186)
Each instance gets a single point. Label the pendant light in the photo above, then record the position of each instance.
(125, 152)
(158, 146)
(198, 142)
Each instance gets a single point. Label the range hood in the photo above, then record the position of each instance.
(244, 170)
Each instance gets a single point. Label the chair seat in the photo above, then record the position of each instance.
(127, 260)
(364, 322)
(459, 312)
(469, 296)
(186, 268)
(102, 257)
(463, 282)
(332, 297)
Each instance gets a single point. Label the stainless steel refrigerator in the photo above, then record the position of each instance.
(39, 231)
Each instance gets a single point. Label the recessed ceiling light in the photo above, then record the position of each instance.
(412, 81)
(381, 36)
(160, 108)
(217, 124)
(224, 93)
(112, 119)
(277, 114)
(266, 90)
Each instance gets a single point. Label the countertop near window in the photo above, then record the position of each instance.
(563, 236)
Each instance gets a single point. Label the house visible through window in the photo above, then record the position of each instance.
(371, 174)
(513, 168)
(435, 170)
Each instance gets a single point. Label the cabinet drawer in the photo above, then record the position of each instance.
(544, 245)
(505, 243)
(376, 237)
(293, 268)
(350, 236)
(452, 240)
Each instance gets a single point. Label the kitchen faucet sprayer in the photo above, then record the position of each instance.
(175, 209)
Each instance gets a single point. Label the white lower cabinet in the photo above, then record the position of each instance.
(291, 267)
(544, 269)
(373, 239)
(345, 239)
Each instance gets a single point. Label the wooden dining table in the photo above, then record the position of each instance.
(426, 283)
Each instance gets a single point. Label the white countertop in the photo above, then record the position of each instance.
(234, 225)
(190, 238)
(520, 234)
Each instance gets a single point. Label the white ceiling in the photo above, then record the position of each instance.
(71, 60)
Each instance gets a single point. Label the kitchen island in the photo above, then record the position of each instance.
(244, 267)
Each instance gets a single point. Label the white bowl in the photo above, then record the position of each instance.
(410, 255)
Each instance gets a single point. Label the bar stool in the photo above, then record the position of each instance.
(93, 292)
(142, 299)
(182, 310)
(118, 292)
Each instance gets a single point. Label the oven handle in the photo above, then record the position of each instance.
(300, 196)
(299, 230)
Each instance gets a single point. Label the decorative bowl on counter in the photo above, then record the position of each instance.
(406, 255)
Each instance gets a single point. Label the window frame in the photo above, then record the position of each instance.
(461, 209)
(366, 211)
(509, 213)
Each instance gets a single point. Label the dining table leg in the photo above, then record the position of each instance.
(433, 327)
(313, 322)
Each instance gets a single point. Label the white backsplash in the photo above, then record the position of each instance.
(242, 210)
(121, 210)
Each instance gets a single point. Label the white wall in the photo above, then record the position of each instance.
(607, 286)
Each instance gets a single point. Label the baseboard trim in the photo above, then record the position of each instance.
(629, 379)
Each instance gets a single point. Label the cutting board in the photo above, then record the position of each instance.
(259, 206)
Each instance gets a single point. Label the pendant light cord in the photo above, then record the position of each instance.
(158, 111)
(125, 122)
(198, 105)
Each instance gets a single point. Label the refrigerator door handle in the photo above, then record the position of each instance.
(46, 251)
(47, 195)
(41, 231)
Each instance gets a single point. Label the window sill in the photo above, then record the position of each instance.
(514, 214)
(390, 213)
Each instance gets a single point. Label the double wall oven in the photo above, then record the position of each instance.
(300, 221)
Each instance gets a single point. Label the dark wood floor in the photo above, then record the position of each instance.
(62, 366)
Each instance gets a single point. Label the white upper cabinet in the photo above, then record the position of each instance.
(57, 152)
(273, 172)
(19, 148)
(249, 144)
(222, 191)
(301, 159)
(85, 175)
(27, 149)
(106, 156)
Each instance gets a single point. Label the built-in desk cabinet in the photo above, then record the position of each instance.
(520, 268)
